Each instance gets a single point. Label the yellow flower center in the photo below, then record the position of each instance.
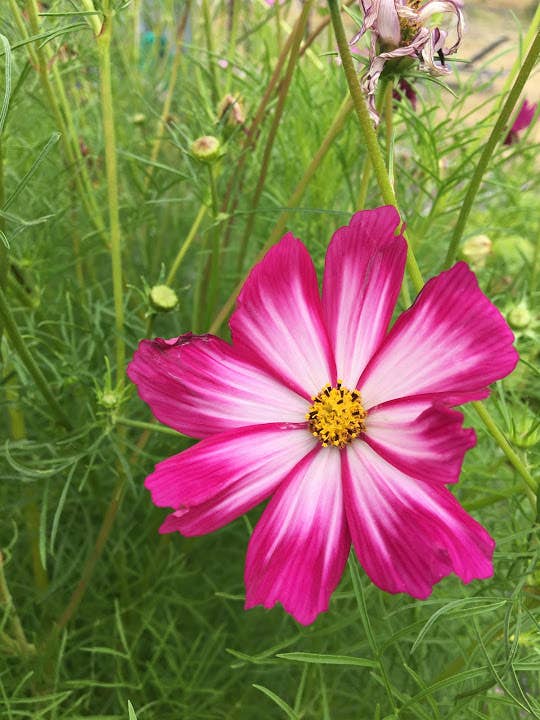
(336, 416)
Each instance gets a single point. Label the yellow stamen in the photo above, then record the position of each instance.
(336, 416)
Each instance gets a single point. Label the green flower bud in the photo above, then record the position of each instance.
(519, 317)
(163, 298)
(138, 119)
(206, 149)
(109, 399)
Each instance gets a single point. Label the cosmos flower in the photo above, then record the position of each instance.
(523, 119)
(400, 29)
(345, 425)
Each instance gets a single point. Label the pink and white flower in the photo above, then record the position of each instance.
(402, 29)
(346, 425)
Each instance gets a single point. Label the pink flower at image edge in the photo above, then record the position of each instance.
(523, 119)
(347, 427)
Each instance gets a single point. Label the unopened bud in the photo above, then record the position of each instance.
(138, 119)
(206, 148)
(231, 110)
(476, 251)
(519, 317)
(163, 298)
(109, 399)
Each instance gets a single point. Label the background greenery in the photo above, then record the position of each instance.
(159, 621)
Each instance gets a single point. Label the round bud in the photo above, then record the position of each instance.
(206, 149)
(163, 298)
(519, 317)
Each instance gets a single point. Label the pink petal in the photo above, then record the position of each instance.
(298, 550)
(224, 476)
(387, 24)
(409, 534)
(451, 343)
(279, 319)
(421, 439)
(199, 385)
(362, 278)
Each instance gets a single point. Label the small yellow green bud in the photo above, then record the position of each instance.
(206, 149)
(163, 298)
(519, 317)
(109, 399)
(138, 119)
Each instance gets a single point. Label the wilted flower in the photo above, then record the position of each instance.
(400, 29)
(523, 119)
(347, 426)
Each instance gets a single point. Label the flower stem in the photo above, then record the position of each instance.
(370, 137)
(293, 201)
(186, 244)
(152, 427)
(210, 49)
(107, 110)
(215, 249)
(511, 455)
(165, 112)
(282, 97)
(498, 130)
(8, 322)
(23, 646)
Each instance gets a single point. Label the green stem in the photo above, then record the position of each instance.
(389, 128)
(17, 432)
(498, 130)
(152, 427)
(207, 21)
(16, 340)
(233, 36)
(236, 181)
(370, 137)
(40, 57)
(294, 200)
(104, 52)
(97, 550)
(265, 162)
(511, 455)
(186, 244)
(165, 112)
(213, 284)
(24, 647)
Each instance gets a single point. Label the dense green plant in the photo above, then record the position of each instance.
(102, 198)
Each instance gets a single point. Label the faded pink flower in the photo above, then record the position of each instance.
(400, 29)
(344, 424)
(523, 119)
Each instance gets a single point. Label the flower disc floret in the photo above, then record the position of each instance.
(336, 416)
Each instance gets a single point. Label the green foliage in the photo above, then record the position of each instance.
(160, 631)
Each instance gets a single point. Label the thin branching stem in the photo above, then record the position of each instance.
(293, 202)
(107, 110)
(496, 134)
(19, 345)
(278, 113)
